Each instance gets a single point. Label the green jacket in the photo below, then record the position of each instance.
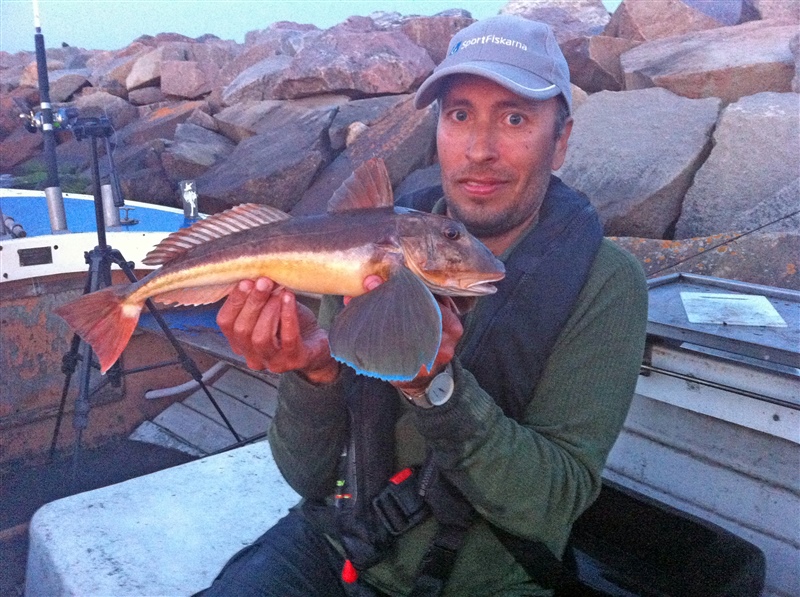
(533, 477)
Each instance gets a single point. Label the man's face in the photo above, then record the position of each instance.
(497, 151)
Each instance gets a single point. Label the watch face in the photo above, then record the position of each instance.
(441, 389)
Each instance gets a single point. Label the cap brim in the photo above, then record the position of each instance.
(514, 79)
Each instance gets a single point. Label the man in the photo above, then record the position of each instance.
(526, 397)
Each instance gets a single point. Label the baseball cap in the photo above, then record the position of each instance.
(519, 54)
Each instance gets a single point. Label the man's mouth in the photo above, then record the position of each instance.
(480, 186)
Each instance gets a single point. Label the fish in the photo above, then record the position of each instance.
(389, 333)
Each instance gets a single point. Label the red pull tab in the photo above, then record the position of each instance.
(349, 573)
(401, 476)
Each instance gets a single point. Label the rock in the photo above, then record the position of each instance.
(11, 106)
(101, 103)
(594, 62)
(149, 186)
(144, 96)
(405, 139)
(145, 71)
(110, 70)
(634, 154)
(204, 119)
(568, 18)
(257, 82)
(367, 112)
(727, 12)
(66, 83)
(241, 121)
(30, 76)
(579, 97)
(760, 258)
(422, 178)
(728, 63)
(10, 78)
(159, 123)
(261, 170)
(794, 46)
(18, 147)
(434, 33)
(779, 213)
(280, 35)
(193, 151)
(186, 79)
(281, 39)
(756, 144)
(646, 20)
(787, 11)
(356, 60)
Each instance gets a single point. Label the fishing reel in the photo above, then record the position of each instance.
(68, 119)
(63, 118)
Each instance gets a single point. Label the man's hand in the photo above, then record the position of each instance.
(272, 331)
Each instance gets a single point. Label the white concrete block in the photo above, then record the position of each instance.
(165, 534)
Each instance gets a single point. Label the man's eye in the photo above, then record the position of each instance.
(460, 115)
(515, 119)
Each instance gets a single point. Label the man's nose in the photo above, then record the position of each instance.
(482, 145)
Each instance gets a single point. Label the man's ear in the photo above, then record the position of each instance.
(561, 145)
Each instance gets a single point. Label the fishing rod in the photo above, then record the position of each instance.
(723, 243)
(52, 191)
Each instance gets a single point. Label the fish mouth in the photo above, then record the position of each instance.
(476, 287)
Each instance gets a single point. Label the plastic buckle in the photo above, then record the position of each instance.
(398, 505)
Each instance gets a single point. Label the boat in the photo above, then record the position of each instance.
(41, 268)
(701, 494)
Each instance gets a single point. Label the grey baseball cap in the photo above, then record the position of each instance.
(521, 55)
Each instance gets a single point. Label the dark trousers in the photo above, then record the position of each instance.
(291, 559)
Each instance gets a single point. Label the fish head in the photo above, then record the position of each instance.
(447, 258)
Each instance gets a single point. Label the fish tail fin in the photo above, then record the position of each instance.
(105, 320)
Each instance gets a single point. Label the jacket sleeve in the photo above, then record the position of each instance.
(309, 431)
(534, 477)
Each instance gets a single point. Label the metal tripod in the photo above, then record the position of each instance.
(100, 260)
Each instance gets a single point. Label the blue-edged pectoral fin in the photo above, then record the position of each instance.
(391, 331)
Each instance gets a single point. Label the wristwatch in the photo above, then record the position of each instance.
(438, 392)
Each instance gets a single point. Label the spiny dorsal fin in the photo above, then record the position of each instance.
(236, 219)
(368, 186)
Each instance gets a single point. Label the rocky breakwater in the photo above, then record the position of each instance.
(686, 136)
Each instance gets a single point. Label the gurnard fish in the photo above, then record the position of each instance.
(388, 333)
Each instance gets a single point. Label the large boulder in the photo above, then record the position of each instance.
(778, 213)
(159, 123)
(646, 20)
(358, 115)
(787, 11)
(110, 70)
(568, 18)
(727, 63)
(262, 170)
(594, 62)
(755, 155)
(634, 154)
(101, 103)
(434, 33)
(66, 83)
(358, 60)
(193, 151)
(405, 139)
(256, 82)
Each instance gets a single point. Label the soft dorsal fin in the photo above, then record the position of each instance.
(368, 186)
(236, 219)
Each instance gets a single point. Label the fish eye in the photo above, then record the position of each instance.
(452, 233)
